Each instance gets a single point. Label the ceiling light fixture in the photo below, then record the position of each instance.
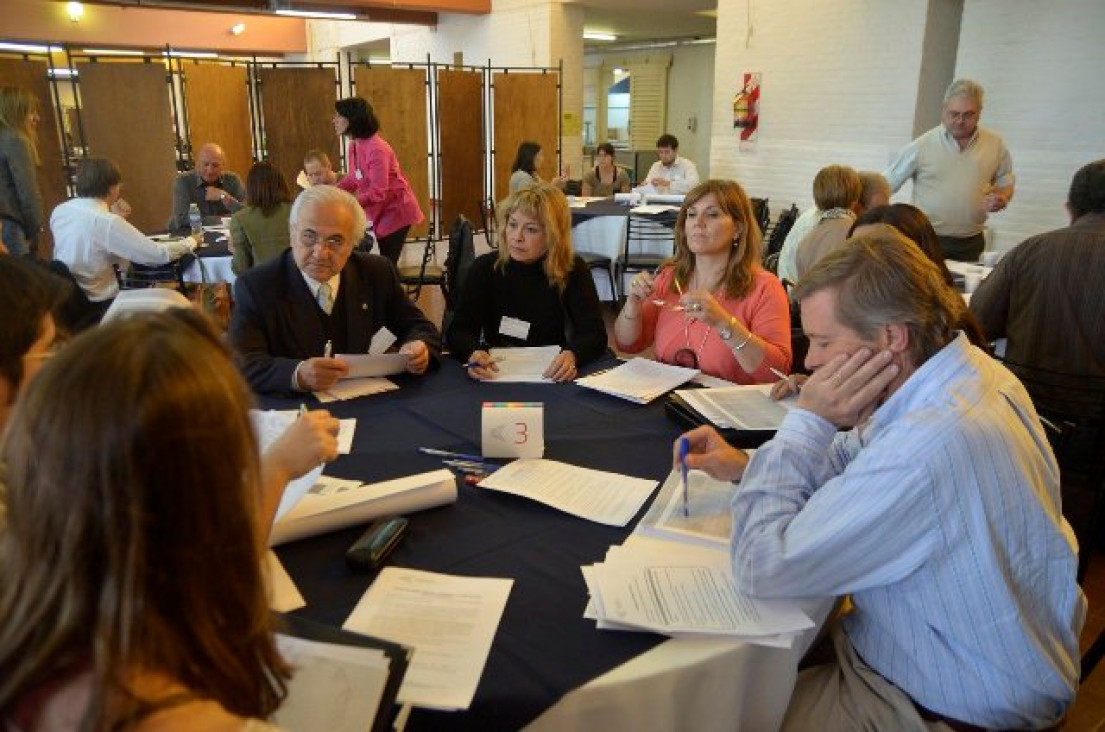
(75, 11)
(316, 14)
(237, 29)
(23, 48)
(62, 72)
(111, 52)
(190, 54)
(598, 36)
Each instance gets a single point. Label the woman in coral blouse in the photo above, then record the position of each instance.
(711, 307)
(375, 178)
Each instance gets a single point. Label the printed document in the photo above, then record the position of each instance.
(739, 407)
(362, 365)
(605, 498)
(709, 515)
(639, 380)
(449, 621)
(353, 388)
(337, 688)
(268, 425)
(524, 364)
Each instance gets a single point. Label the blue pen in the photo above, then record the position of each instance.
(446, 454)
(684, 448)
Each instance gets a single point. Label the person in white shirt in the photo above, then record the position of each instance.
(671, 173)
(90, 235)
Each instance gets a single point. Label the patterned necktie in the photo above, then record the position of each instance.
(325, 299)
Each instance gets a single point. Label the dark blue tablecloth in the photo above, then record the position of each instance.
(544, 647)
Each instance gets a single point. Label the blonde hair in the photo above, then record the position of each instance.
(16, 104)
(836, 186)
(744, 256)
(546, 203)
(126, 547)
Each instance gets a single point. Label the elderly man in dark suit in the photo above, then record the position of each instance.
(320, 296)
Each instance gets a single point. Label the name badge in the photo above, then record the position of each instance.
(513, 430)
(358, 175)
(514, 328)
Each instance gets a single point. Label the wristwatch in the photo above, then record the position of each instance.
(726, 331)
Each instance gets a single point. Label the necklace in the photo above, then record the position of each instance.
(687, 357)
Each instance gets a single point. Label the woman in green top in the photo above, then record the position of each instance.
(259, 232)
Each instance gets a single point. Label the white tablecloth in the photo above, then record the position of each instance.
(210, 270)
(690, 684)
(606, 235)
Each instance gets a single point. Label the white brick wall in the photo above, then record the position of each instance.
(839, 86)
(1041, 66)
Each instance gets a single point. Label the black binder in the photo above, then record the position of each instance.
(398, 657)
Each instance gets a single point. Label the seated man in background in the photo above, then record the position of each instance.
(1047, 294)
(321, 296)
(89, 237)
(317, 170)
(938, 511)
(671, 173)
(217, 192)
(836, 192)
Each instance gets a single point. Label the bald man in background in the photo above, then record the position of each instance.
(217, 191)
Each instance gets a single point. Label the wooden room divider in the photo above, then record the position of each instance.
(216, 98)
(461, 127)
(526, 108)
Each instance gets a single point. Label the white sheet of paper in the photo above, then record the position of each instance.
(526, 364)
(679, 588)
(346, 429)
(382, 340)
(333, 503)
(362, 365)
(353, 388)
(740, 407)
(335, 687)
(639, 380)
(449, 621)
(653, 208)
(596, 495)
(267, 426)
(710, 515)
(284, 596)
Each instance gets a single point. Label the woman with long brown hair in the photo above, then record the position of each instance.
(712, 306)
(131, 588)
(259, 232)
(20, 200)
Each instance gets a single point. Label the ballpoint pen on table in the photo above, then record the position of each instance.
(474, 364)
(328, 350)
(302, 408)
(454, 455)
(684, 448)
(469, 466)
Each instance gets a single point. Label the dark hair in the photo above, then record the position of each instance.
(266, 187)
(668, 140)
(912, 222)
(96, 176)
(154, 552)
(526, 157)
(362, 120)
(605, 147)
(1087, 190)
(28, 293)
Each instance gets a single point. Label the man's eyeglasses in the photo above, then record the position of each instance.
(310, 239)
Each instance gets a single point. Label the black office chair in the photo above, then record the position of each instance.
(773, 241)
(458, 260)
(640, 231)
(761, 210)
(426, 272)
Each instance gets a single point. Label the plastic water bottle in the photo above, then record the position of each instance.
(195, 220)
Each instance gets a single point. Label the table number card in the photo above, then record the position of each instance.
(513, 429)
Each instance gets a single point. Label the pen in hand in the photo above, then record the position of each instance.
(684, 448)
(787, 378)
(328, 350)
(477, 364)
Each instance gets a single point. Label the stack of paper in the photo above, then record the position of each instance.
(331, 503)
(526, 364)
(353, 388)
(707, 518)
(683, 590)
(606, 498)
(639, 380)
(450, 623)
(739, 407)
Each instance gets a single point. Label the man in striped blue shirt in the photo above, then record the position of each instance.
(937, 510)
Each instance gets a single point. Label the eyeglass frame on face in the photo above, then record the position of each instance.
(309, 238)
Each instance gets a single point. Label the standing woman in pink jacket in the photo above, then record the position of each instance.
(375, 178)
